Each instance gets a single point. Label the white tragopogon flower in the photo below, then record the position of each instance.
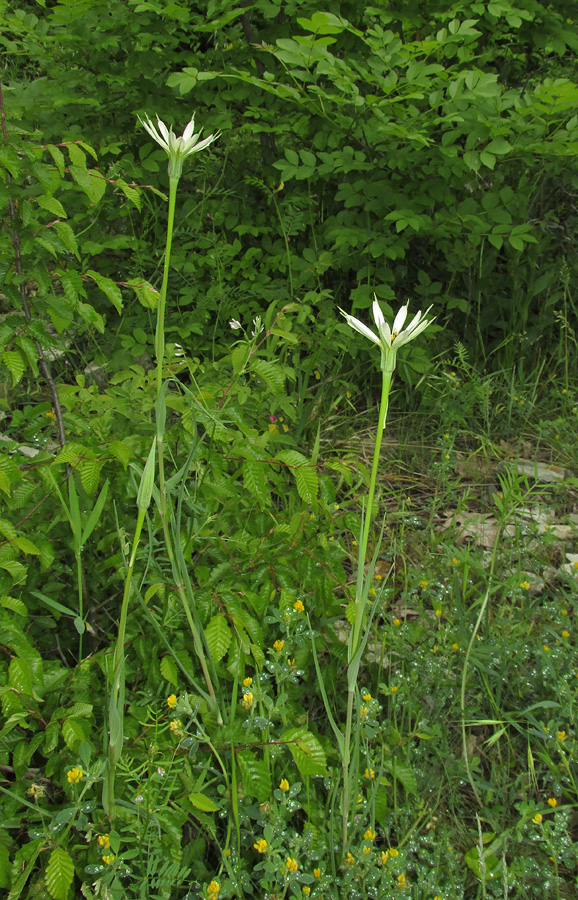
(177, 148)
(389, 340)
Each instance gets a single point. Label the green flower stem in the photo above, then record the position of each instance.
(383, 407)
(160, 353)
(362, 594)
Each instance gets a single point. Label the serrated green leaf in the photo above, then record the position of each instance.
(58, 157)
(255, 480)
(169, 670)
(255, 775)
(14, 604)
(146, 294)
(403, 773)
(26, 546)
(218, 636)
(130, 192)
(205, 804)
(77, 156)
(90, 474)
(121, 452)
(59, 874)
(71, 454)
(97, 186)
(52, 205)
(109, 288)
(20, 676)
(306, 750)
(304, 472)
(73, 734)
(15, 363)
(270, 372)
(66, 235)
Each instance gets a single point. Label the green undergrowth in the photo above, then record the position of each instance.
(466, 747)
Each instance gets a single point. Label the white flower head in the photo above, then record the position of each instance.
(257, 327)
(389, 340)
(235, 324)
(177, 148)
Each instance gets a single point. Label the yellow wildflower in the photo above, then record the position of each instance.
(552, 802)
(74, 775)
(260, 845)
(317, 873)
(565, 634)
(423, 584)
(247, 700)
(171, 701)
(435, 648)
(537, 819)
(366, 850)
(291, 864)
(401, 880)
(397, 622)
(369, 774)
(393, 852)
(306, 890)
(213, 890)
(369, 835)
(247, 682)
(284, 784)
(363, 712)
(349, 859)
(367, 697)
(525, 585)
(394, 689)
(561, 736)
(298, 606)
(108, 859)
(378, 577)
(104, 841)
(455, 646)
(372, 592)
(278, 646)
(546, 648)
(383, 858)
(563, 612)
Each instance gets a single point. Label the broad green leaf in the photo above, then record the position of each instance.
(26, 546)
(59, 874)
(20, 676)
(132, 193)
(218, 636)
(306, 750)
(14, 604)
(66, 235)
(255, 775)
(71, 454)
(91, 316)
(73, 734)
(304, 472)
(109, 288)
(146, 293)
(169, 670)
(205, 804)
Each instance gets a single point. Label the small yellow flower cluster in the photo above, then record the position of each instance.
(349, 859)
(363, 712)
(36, 791)
(565, 634)
(104, 841)
(247, 700)
(552, 802)
(537, 819)
(260, 845)
(291, 865)
(525, 585)
(317, 873)
(423, 583)
(369, 774)
(247, 682)
(298, 606)
(561, 736)
(455, 646)
(369, 835)
(171, 701)
(278, 646)
(366, 850)
(176, 726)
(74, 775)
(213, 890)
(394, 689)
(306, 890)
(397, 622)
(284, 784)
(401, 880)
(108, 859)
(367, 697)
